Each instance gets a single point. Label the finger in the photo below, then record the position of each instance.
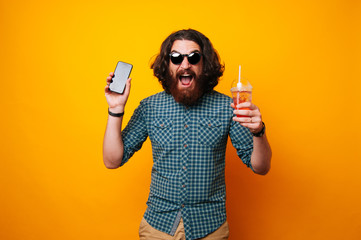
(234, 106)
(247, 105)
(242, 119)
(251, 126)
(244, 105)
(242, 112)
(106, 89)
(109, 80)
(127, 86)
(248, 112)
(256, 120)
(111, 74)
(253, 107)
(256, 113)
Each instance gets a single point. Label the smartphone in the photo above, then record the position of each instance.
(121, 74)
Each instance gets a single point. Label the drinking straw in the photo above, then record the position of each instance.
(239, 84)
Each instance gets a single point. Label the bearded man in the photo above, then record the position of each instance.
(188, 125)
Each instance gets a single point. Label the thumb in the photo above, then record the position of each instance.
(127, 87)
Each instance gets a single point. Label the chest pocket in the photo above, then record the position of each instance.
(163, 131)
(209, 131)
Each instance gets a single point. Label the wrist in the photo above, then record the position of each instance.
(260, 132)
(115, 114)
(117, 109)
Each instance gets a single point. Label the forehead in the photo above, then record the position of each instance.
(185, 46)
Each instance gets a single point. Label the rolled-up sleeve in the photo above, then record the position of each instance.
(242, 140)
(135, 133)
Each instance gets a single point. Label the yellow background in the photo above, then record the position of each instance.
(302, 58)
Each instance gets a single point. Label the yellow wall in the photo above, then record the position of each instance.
(302, 58)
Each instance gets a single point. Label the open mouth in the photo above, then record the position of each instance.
(186, 79)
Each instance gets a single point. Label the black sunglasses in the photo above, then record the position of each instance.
(177, 58)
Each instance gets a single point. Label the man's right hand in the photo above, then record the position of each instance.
(115, 100)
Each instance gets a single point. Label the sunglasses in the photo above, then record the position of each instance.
(177, 58)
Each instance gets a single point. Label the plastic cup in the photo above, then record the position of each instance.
(241, 92)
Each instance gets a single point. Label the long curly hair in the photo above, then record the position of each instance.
(212, 68)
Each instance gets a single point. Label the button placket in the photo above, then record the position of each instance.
(185, 152)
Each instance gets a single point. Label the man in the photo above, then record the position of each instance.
(188, 125)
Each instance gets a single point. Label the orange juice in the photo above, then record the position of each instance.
(240, 97)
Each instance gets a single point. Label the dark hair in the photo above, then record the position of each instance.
(212, 68)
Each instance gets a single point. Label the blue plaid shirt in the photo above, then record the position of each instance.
(189, 145)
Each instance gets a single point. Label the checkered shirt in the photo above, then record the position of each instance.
(188, 173)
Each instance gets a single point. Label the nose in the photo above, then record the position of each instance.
(185, 64)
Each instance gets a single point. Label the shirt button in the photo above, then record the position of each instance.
(184, 168)
(209, 124)
(185, 145)
(186, 126)
(184, 186)
(182, 205)
(162, 125)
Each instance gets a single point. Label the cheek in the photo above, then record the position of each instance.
(200, 67)
(172, 70)
(199, 71)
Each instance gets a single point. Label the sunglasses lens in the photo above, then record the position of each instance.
(194, 58)
(176, 58)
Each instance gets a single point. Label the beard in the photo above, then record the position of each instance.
(186, 96)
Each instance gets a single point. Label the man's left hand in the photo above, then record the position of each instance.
(249, 116)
